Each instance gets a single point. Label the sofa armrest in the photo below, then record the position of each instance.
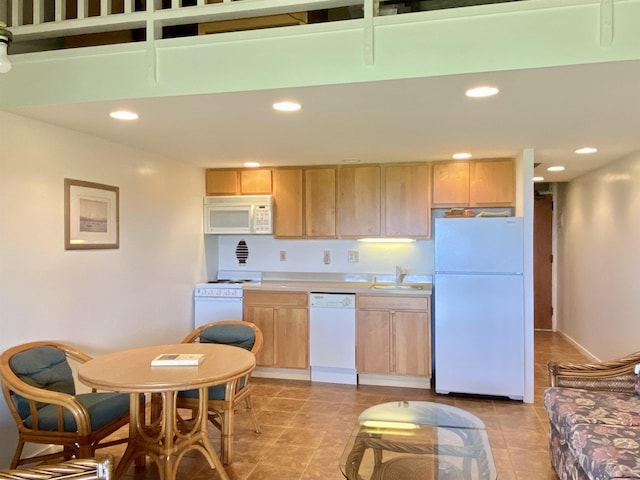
(612, 376)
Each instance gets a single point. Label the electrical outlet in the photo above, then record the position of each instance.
(283, 255)
(354, 256)
(327, 257)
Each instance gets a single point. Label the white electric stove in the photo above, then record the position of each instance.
(221, 299)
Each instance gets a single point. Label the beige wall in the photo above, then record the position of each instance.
(99, 300)
(599, 254)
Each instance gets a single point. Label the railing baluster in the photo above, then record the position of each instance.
(38, 11)
(17, 13)
(4, 11)
(83, 8)
(60, 10)
(175, 3)
(129, 6)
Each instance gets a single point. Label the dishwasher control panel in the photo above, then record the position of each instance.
(332, 300)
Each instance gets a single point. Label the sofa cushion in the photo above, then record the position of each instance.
(606, 451)
(567, 407)
(565, 464)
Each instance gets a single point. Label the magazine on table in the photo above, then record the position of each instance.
(177, 359)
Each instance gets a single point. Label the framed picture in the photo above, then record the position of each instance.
(91, 215)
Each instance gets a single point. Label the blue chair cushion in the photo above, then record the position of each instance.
(215, 393)
(41, 367)
(236, 335)
(103, 408)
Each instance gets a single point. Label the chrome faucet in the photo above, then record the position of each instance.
(399, 276)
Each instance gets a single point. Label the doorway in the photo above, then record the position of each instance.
(542, 262)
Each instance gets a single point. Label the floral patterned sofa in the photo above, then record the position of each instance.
(594, 414)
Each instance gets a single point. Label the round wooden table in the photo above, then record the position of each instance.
(167, 438)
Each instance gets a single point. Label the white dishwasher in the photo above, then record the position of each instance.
(332, 337)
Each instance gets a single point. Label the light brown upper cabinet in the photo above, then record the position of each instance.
(451, 183)
(305, 202)
(227, 181)
(407, 205)
(492, 183)
(475, 183)
(359, 201)
(320, 202)
(288, 205)
(391, 200)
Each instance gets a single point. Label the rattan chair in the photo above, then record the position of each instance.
(223, 400)
(79, 469)
(38, 386)
(612, 376)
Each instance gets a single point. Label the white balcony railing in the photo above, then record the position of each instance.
(49, 24)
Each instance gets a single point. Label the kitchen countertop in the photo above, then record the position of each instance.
(342, 287)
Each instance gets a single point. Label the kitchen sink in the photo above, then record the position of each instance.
(398, 287)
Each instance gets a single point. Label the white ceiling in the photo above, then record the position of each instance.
(552, 110)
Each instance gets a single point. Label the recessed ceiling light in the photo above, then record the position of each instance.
(461, 156)
(537, 179)
(557, 168)
(483, 91)
(123, 115)
(287, 106)
(587, 150)
(251, 164)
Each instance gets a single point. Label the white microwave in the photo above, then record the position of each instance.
(238, 214)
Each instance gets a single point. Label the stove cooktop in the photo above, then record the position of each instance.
(227, 282)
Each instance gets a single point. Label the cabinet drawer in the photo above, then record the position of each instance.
(276, 299)
(391, 302)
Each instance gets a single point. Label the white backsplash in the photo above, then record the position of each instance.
(308, 255)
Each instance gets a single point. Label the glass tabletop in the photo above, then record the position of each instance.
(418, 440)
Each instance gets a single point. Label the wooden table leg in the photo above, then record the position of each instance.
(136, 420)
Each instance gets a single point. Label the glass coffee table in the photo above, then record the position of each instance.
(418, 440)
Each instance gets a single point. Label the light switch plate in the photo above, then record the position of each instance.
(327, 257)
(354, 256)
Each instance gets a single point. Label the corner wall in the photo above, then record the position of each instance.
(599, 254)
(96, 300)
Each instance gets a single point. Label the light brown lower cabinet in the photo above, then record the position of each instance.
(284, 321)
(393, 335)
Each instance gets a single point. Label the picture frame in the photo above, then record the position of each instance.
(91, 215)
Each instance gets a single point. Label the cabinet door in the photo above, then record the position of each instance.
(407, 201)
(412, 343)
(263, 317)
(492, 183)
(291, 337)
(222, 182)
(238, 181)
(287, 197)
(359, 201)
(320, 202)
(451, 184)
(255, 182)
(373, 341)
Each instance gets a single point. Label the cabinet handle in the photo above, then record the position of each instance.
(392, 349)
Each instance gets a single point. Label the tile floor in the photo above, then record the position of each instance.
(306, 426)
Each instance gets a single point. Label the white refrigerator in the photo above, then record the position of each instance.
(479, 306)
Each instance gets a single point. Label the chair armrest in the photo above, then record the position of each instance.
(613, 375)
